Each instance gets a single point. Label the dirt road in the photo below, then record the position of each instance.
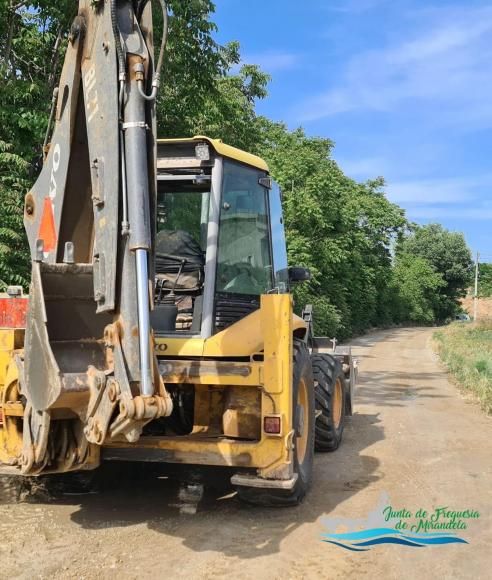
(413, 438)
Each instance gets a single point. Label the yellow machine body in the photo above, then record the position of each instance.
(11, 409)
(266, 334)
(260, 385)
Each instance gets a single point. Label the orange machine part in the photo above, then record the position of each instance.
(13, 312)
(47, 228)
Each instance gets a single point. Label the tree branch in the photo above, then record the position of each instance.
(55, 57)
(18, 6)
(10, 34)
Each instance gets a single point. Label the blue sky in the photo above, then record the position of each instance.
(403, 87)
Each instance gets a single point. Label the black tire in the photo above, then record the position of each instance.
(71, 483)
(286, 498)
(330, 420)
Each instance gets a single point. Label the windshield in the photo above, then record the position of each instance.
(244, 255)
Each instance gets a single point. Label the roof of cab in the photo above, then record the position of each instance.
(225, 150)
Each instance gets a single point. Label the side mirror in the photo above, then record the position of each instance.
(299, 274)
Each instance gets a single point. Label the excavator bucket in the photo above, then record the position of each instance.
(65, 336)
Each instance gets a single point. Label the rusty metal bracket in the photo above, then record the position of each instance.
(135, 414)
(103, 399)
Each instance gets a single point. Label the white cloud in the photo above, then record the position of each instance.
(438, 213)
(444, 199)
(363, 169)
(274, 60)
(438, 191)
(445, 67)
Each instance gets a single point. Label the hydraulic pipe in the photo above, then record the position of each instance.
(156, 81)
(146, 384)
(138, 194)
(137, 172)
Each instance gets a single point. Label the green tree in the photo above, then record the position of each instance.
(14, 256)
(415, 286)
(229, 112)
(449, 256)
(33, 37)
(340, 229)
(485, 280)
(199, 95)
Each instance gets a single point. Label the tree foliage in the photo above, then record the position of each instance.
(485, 280)
(14, 257)
(415, 286)
(199, 95)
(32, 37)
(450, 257)
(340, 229)
(367, 269)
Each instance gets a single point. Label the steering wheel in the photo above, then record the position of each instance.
(244, 282)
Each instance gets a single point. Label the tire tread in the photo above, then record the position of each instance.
(326, 370)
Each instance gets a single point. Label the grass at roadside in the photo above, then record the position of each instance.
(466, 349)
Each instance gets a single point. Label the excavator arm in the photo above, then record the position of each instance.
(87, 373)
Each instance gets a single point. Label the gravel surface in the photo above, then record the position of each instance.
(413, 438)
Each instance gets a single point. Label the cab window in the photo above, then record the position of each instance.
(244, 252)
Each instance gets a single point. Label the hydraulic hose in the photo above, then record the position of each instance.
(157, 76)
(54, 101)
(117, 42)
(125, 227)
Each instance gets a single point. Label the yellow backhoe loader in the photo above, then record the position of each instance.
(159, 325)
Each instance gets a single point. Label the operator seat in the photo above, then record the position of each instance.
(179, 268)
(172, 248)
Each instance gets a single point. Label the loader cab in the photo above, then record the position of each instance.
(220, 241)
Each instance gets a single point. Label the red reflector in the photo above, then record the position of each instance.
(1, 417)
(272, 425)
(47, 227)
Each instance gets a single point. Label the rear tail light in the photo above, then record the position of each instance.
(272, 424)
